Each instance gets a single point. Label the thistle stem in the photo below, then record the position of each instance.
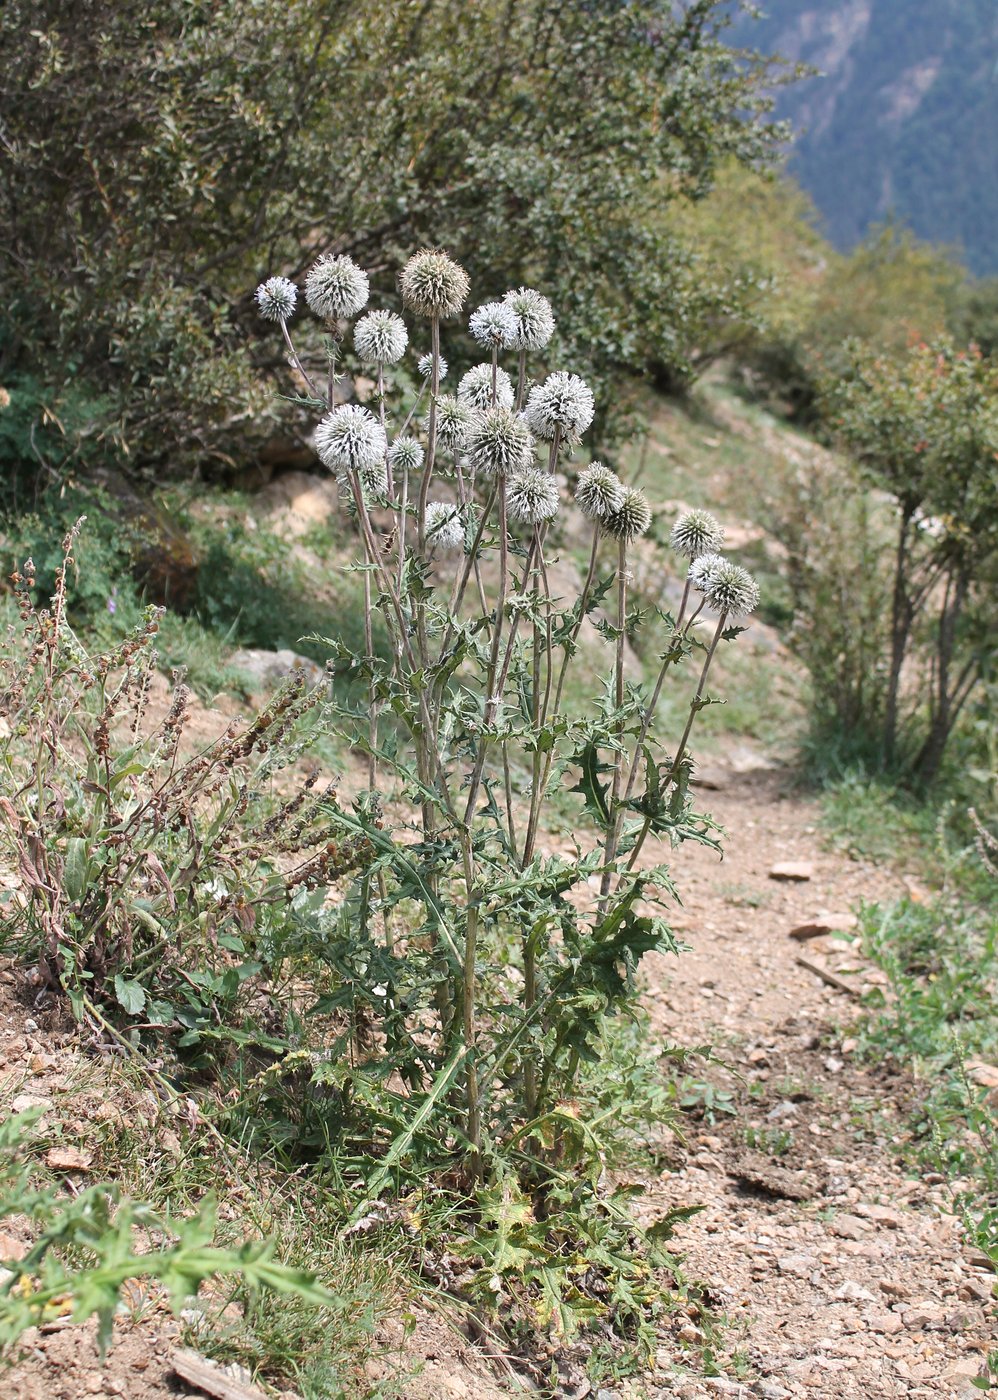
(613, 829)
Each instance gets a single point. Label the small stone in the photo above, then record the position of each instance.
(847, 1227)
(920, 1315)
(67, 1159)
(822, 924)
(880, 1215)
(893, 1289)
(23, 1102)
(853, 1292)
(796, 1265)
(798, 870)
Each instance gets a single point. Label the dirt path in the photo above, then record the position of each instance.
(839, 1275)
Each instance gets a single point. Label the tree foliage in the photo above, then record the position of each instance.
(155, 165)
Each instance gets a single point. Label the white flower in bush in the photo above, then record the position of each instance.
(425, 366)
(726, 586)
(454, 421)
(531, 496)
(433, 284)
(695, 533)
(599, 492)
(336, 287)
(494, 325)
(406, 454)
(277, 298)
(350, 438)
(499, 442)
(380, 337)
(475, 387)
(444, 526)
(534, 318)
(562, 405)
(631, 518)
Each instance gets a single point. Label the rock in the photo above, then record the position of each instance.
(918, 1316)
(266, 669)
(852, 1292)
(297, 501)
(847, 1227)
(23, 1102)
(984, 1074)
(796, 1265)
(821, 924)
(757, 1173)
(880, 1215)
(795, 870)
(67, 1159)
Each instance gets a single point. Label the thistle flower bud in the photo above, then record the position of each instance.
(499, 442)
(695, 533)
(454, 420)
(475, 387)
(599, 493)
(444, 526)
(350, 439)
(432, 284)
(726, 587)
(531, 496)
(336, 287)
(276, 298)
(425, 366)
(380, 337)
(534, 319)
(494, 325)
(406, 455)
(631, 518)
(563, 404)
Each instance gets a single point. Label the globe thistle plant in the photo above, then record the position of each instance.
(350, 438)
(454, 421)
(406, 454)
(531, 496)
(494, 325)
(276, 298)
(631, 518)
(696, 533)
(599, 492)
(433, 284)
(701, 567)
(533, 317)
(380, 337)
(475, 387)
(336, 288)
(444, 526)
(499, 443)
(727, 588)
(562, 407)
(425, 366)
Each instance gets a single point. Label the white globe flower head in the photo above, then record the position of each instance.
(599, 492)
(701, 567)
(444, 526)
(562, 405)
(406, 455)
(425, 366)
(380, 337)
(475, 387)
(499, 442)
(336, 288)
(454, 421)
(276, 298)
(727, 588)
(696, 532)
(631, 518)
(534, 318)
(531, 496)
(433, 284)
(493, 325)
(350, 438)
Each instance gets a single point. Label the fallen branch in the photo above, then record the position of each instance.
(832, 980)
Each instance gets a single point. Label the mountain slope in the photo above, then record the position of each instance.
(904, 119)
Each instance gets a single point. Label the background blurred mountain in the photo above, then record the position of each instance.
(904, 121)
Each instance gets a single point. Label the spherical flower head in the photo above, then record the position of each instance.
(534, 318)
(695, 533)
(444, 526)
(475, 387)
(350, 439)
(336, 287)
(406, 455)
(563, 404)
(277, 298)
(425, 366)
(599, 493)
(380, 337)
(531, 496)
(631, 518)
(433, 284)
(727, 588)
(499, 443)
(493, 325)
(454, 421)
